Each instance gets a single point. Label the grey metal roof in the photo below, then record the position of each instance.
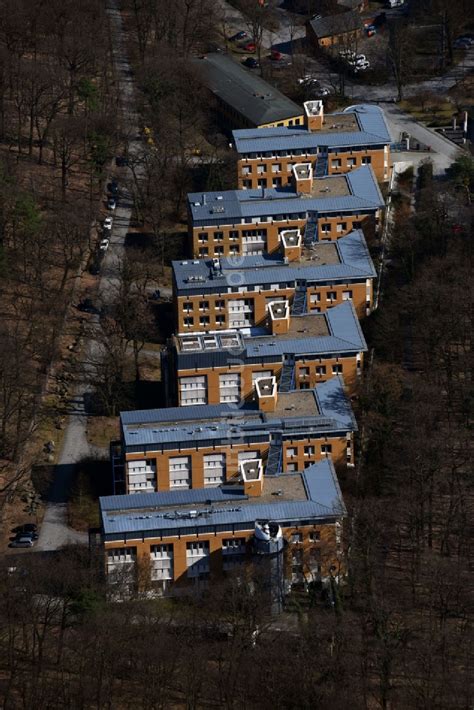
(334, 25)
(140, 417)
(150, 513)
(232, 206)
(248, 94)
(333, 416)
(345, 336)
(199, 276)
(373, 130)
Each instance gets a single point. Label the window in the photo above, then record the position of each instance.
(291, 468)
(161, 558)
(203, 305)
(276, 182)
(218, 236)
(180, 472)
(351, 162)
(233, 552)
(291, 452)
(325, 228)
(341, 227)
(141, 476)
(337, 369)
(220, 304)
(276, 168)
(197, 558)
(314, 536)
(188, 322)
(234, 251)
(296, 537)
(326, 448)
(246, 184)
(262, 182)
(229, 387)
(220, 320)
(304, 385)
(233, 235)
(309, 450)
(336, 163)
(204, 320)
(366, 160)
(218, 251)
(203, 237)
(193, 390)
(203, 252)
(303, 372)
(121, 564)
(246, 170)
(331, 296)
(214, 469)
(315, 298)
(187, 306)
(347, 295)
(321, 370)
(261, 169)
(356, 224)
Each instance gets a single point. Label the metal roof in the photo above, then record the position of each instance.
(334, 25)
(373, 130)
(333, 415)
(197, 276)
(150, 512)
(233, 206)
(344, 336)
(248, 94)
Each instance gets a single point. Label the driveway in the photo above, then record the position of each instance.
(54, 532)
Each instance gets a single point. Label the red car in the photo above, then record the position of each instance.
(275, 55)
(249, 47)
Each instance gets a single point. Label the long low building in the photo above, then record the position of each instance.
(224, 367)
(203, 446)
(251, 222)
(242, 98)
(211, 295)
(333, 144)
(290, 523)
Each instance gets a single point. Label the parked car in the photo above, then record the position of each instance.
(360, 58)
(22, 541)
(250, 63)
(111, 203)
(94, 268)
(107, 225)
(86, 306)
(112, 187)
(104, 244)
(29, 533)
(347, 53)
(461, 44)
(26, 528)
(238, 36)
(248, 47)
(275, 55)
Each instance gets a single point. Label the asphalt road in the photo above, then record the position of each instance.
(54, 532)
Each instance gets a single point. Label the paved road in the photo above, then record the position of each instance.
(54, 532)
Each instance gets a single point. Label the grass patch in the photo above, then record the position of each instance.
(93, 478)
(100, 431)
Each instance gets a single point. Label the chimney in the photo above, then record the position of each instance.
(267, 393)
(203, 198)
(251, 473)
(314, 115)
(302, 178)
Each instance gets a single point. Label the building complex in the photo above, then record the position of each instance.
(240, 467)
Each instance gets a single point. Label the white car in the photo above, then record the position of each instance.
(108, 223)
(104, 244)
(347, 54)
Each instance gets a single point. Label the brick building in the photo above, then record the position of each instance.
(251, 222)
(331, 144)
(167, 541)
(203, 446)
(221, 294)
(342, 29)
(216, 368)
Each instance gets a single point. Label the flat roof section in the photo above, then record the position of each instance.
(246, 92)
(338, 187)
(301, 403)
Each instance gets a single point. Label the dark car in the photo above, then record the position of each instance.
(94, 268)
(121, 161)
(27, 533)
(112, 187)
(155, 295)
(238, 36)
(26, 528)
(86, 306)
(23, 541)
(250, 63)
